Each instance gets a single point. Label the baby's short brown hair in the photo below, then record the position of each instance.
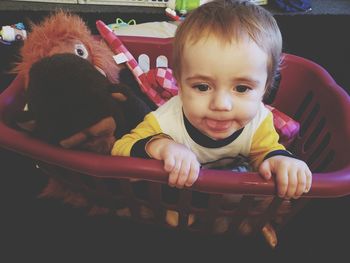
(231, 20)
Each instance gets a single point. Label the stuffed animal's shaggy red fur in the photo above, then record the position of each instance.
(63, 32)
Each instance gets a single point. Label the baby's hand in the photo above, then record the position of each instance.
(179, 161)
(293, 176)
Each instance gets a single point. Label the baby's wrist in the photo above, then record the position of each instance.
(275, 153)
(154, 146)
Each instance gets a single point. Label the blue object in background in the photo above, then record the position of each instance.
(294, 5)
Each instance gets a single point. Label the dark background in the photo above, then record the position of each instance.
(47, 231)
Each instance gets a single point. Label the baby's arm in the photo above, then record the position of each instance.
(133, 143)
(293, 177)
(179, 161)
(147, 140)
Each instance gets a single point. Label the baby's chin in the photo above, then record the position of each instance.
(220, 135)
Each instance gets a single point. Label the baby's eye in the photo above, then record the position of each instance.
(201, 87)
(81, 51)
(242, 88)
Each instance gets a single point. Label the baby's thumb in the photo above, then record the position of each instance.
(265, 170)
(169, 164)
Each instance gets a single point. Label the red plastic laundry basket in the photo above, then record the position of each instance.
(307, 93)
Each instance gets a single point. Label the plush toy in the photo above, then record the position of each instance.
(63, 32)
(73, 92)
(70, 103)
(80, 99)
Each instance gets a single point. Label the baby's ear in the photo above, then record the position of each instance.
(25, 120)
(119, 92)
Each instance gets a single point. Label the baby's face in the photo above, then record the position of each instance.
(222, 85)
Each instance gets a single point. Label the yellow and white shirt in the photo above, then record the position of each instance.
(258, 140)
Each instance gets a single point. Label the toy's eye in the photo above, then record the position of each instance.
(81, 51)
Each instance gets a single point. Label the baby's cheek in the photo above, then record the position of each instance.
(247, 112)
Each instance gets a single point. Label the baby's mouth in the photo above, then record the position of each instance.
(218, 125)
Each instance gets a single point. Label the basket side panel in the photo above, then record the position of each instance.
(151, 47)
(311, 96)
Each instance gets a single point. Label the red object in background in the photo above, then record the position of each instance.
(157, 91)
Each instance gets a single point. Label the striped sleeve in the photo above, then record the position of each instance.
(265, 141)
(148, 128)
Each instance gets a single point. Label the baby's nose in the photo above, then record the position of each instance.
(222, 102)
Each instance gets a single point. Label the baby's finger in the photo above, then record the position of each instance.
(308, 181)
(292, 183)
(174, 173)
(183, 173)
(301, 184)
(193, 175)
(282, 181)
(169, 163)
(265, 170)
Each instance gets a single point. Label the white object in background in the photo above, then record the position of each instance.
(150, 29)
(10, 34)
(152, 3)
(51, 1)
